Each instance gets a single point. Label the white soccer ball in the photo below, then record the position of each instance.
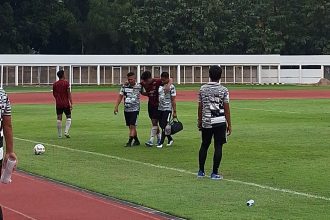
(39, 149)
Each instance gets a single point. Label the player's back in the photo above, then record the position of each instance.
(60, 92)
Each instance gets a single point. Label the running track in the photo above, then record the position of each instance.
(89, 97)
(29, 197)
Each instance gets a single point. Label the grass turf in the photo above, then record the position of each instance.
(276, 143)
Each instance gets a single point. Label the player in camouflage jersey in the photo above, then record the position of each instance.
(213, 120)
(6, 131)
(166, 108)
(131, 93)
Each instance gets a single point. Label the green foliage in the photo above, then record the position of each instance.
(165, 27)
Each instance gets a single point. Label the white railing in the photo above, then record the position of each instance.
(112, 69)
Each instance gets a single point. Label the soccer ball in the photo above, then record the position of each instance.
(39, 149)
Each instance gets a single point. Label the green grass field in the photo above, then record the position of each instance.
(278, 155)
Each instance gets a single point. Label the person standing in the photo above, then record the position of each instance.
(62, 95)
(131, 93)
(151, 90)
(6, 131)
(213, 120)
(166, 107)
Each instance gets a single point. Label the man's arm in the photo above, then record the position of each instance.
(143, 90)
(227, 115)
(120, 97)
(70, 98)
(199, 115)
(54, 93)
(173, 106)
(8, 134)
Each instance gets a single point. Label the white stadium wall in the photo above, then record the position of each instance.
(183, 69)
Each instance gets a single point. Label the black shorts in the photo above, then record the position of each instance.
(153, 112)
(219, 133)
(67, 111)
(164, 117)
(131, 118)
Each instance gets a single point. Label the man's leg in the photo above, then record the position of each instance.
(1, 217)
(68, 122)
(59, 125)
(206, 141)
(135, 136)
(134, 131)
(131, 136)
(153, 133)
(67, 127)
(219, 140)
(163, 115)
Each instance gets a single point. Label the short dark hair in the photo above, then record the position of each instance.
(215, 73)
(146, 75)
(165, 75)
(60, 74)
(130, 74)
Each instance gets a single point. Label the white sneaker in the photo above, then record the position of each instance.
(170, 143)
(160, 146)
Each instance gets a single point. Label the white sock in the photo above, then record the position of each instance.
(59, 128)
(67, 125)
(153, 133)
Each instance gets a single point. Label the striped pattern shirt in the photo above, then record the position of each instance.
(5, 111)
(131, 97)
(165, 99)
(212, 96)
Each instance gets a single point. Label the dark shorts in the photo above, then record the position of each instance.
(164, 117)
(131, 118)
(219, 133)
(67, 111)
(153, 112)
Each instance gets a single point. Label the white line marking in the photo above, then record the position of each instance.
(17, 212)
(182, 171)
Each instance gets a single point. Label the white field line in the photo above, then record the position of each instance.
(181, 170)
(17, 212)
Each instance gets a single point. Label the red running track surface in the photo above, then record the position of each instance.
(95, 97)
(29, 197)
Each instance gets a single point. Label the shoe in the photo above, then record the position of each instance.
(67, 135)
(215, 176)
(136, 143)
(128, 144)
(200, 174)
(149, 144)
(159, 146)
(170, 143)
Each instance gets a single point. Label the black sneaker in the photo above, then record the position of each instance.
(136, 143)
(128, 145)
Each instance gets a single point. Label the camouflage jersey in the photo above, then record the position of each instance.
(131, 97)
(165, 99)
(5, 111)
(212, 96)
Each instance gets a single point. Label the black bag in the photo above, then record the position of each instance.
(176, 126)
